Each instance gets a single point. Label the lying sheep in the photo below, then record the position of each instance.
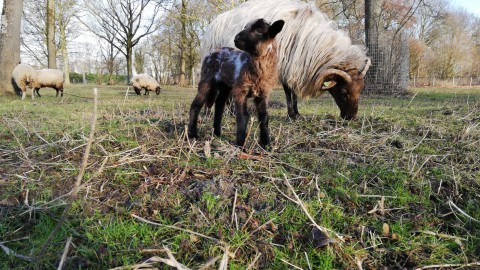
(52, 78)
(146, 82)
(243, 74)
(314, 56)
(22, 76)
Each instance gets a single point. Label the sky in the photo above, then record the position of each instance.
(472, 6)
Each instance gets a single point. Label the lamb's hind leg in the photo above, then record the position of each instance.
(241, 114)
(197, 104)
(220, 102)
(261, 104)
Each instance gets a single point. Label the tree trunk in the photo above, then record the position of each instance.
(51, 47)
(9, 43)
(183, 45)
(129, 60)
(372, 10)
(63, 49)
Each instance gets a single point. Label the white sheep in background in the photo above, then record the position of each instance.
(22, 76)
(52, 78)
(145, 81)
(314, 56)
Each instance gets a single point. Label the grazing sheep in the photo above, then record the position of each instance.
(22, 76)
(248, 73)
(313, 55)
(146, 82)
(52, 78)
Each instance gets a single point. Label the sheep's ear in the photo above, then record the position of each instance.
(275, 28)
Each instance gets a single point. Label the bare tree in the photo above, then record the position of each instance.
(9, 43)
(126, 21)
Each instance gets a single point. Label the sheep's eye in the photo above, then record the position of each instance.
(259, 31)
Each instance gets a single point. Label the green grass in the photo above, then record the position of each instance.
(420, 152)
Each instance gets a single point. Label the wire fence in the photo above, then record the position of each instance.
(389, 73)
(433, 81)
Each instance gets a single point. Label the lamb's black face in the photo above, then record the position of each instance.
(256, 33)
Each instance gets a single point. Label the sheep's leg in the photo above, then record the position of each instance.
(241, 114)
(295, 103)
(24, 94)
(219, 108)
(261, 104)
(137, 91)
(197, 104)
(291, 102)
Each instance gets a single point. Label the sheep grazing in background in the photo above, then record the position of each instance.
(313, 55)
(144, 81)
(248, 73)
(52, 78)
(22, 76)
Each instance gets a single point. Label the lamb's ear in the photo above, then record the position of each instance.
(275, 28)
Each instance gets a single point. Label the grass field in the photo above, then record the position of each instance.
(398, 188)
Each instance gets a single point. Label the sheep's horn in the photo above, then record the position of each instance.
(329, 73)
(366, 67)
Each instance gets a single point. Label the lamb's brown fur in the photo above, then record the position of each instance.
(248, 73)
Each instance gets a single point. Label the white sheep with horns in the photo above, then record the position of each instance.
(314, 56)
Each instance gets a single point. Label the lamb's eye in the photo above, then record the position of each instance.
(259, 31)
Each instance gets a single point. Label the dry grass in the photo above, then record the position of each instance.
(398, 187)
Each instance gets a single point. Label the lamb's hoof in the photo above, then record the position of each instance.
(267, 147)
(294, 116)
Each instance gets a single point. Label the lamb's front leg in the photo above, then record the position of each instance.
(241, 114)
(261, 104)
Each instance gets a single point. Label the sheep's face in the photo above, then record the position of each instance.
(257, 37)
(347, 95)
(158, 90)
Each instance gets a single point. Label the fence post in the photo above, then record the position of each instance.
(471, 80)
(414, 84)
(453, 81)
(433, 81)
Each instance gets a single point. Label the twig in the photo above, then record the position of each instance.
(234, 204)
(461, 211)
(294, 266)
(14, 254)
(449, 265)
(65, 253)
(76, 186)
(442, 235)
(176, 228)
(300, 203)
